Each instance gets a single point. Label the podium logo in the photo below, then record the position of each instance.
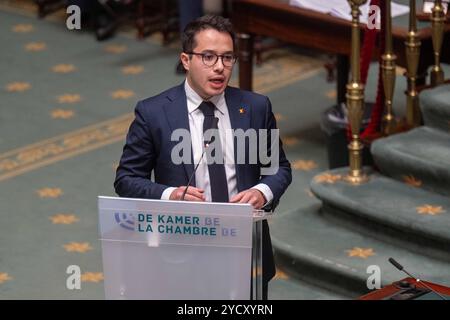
(125, 220)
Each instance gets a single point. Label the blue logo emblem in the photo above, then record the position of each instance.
(125, 220)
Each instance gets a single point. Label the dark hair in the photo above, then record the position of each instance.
(215, 22)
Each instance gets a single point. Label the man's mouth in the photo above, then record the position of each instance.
(217, 80)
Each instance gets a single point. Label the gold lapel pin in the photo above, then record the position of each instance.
(241, 110)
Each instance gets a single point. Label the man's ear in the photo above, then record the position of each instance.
(185, 60)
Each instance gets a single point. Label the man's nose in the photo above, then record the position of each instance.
(219, 65)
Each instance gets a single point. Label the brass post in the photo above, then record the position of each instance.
(437, 25)
(412, 44)
(355, 101)
(388, 74)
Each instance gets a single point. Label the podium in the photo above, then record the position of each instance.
(155, 249)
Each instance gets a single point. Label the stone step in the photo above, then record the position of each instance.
(388, 210)
(435, 107)
(287, 287)
(317, 250)
(421, 156)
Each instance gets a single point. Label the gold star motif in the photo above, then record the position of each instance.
(241, 110)
(412, 181)
(69, 98)
(115, 48)
(360, 252)
(8, 164)
(4, 277)
(289, 141)
(278, 116)
(331, 93)
(327, 178)
(35, 46)
(304, 165)
(430, 210)
(62, 114)
(280, 275)
(92, 277)
(63, 218)
(81, 247)
(132, 69)
(122, 94)
(63, 68)
(23, 28)
(49, 192)
(18, 86)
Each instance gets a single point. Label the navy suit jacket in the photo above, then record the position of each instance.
(148, 148)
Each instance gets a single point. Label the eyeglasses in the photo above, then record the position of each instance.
(210, 59)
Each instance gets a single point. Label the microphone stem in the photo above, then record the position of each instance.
(205, 145)
(193, 174)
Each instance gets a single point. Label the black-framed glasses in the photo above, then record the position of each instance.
(210, 59)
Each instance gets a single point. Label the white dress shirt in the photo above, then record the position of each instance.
(196, 118)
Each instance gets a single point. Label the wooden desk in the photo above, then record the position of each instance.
(309, 29)
(394, 288)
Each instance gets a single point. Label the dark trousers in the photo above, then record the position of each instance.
(189, 11)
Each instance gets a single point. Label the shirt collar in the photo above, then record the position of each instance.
(195, 100)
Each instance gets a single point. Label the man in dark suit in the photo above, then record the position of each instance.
(195, 106)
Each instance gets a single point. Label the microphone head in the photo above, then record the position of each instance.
(396, 264)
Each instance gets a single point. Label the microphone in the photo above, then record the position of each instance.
(400, 267)
(214, 125)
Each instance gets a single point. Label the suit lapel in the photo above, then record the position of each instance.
(177, 116)
(240, 115)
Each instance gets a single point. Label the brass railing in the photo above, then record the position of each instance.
(412, 44)
(388, 73)
(355, 101)
(355, 88)
(437, 25)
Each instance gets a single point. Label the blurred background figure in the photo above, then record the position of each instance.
(190, 10)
